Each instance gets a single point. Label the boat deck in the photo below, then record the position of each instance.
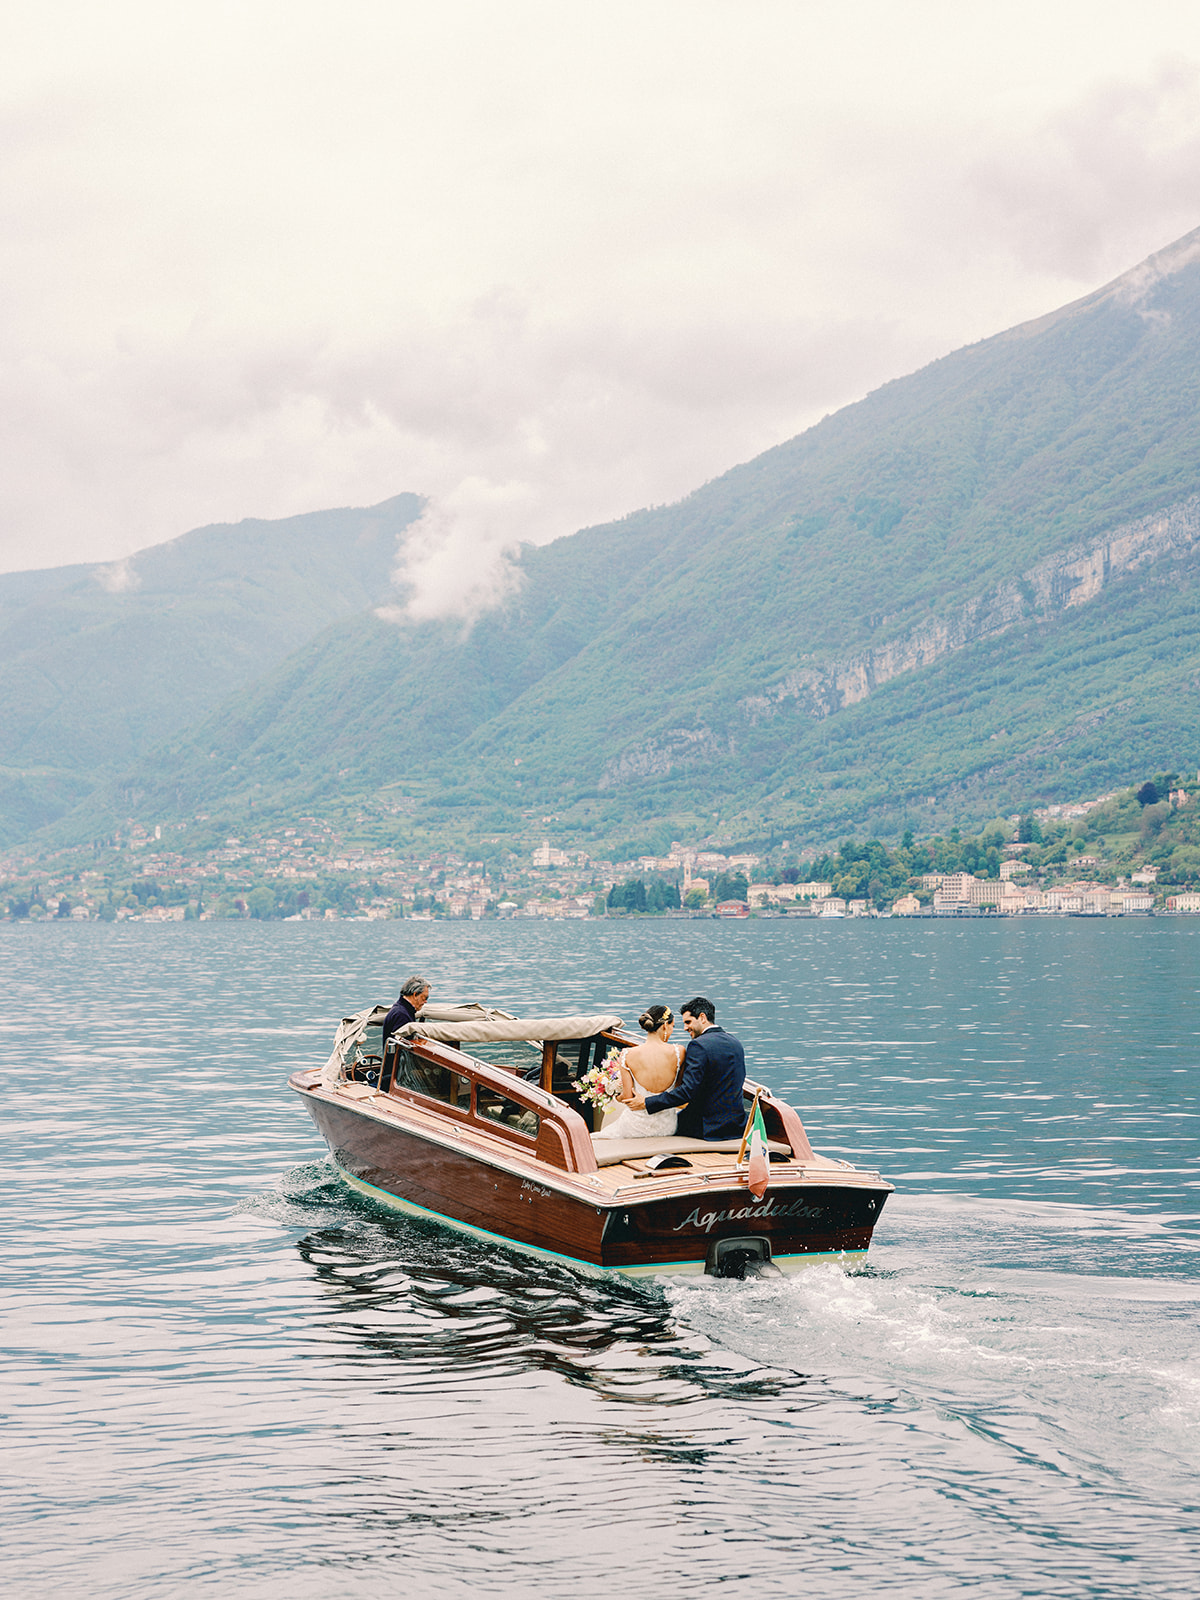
(625, 1178)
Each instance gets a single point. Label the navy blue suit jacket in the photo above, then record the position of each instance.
(714, 1070)
(400, 1013)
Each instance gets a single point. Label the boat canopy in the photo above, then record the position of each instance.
(352, 1031)
(462, 1024)
(492, 1029)
(470, 1011)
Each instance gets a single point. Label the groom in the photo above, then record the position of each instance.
(714, 1069)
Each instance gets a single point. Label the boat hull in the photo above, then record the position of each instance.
(803, 1223)
(846, 1260)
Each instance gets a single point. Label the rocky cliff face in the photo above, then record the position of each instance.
(1044, 592)
(677, 747)
(1070, 578)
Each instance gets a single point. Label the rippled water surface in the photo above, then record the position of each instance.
(226, 1374)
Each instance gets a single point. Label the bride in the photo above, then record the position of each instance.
(647, 1068)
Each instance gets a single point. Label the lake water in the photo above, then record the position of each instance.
(227, 1375)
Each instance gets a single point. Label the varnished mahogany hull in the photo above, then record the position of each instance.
(399, 1165)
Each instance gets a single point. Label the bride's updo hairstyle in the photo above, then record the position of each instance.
(652, 1019)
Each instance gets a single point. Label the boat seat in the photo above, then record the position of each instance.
(610, 1151)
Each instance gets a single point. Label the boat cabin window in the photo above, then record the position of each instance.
(427, 1077)
(497, 1107)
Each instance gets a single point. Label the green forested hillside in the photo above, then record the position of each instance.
(974, 590)
(98, 664)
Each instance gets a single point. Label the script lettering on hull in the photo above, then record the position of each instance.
(707, 1220)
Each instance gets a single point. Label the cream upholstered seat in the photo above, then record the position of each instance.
(610, 1151)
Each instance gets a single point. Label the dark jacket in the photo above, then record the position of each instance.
(714, 1070)
(400, 1013)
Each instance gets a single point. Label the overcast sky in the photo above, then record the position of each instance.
(544, 263)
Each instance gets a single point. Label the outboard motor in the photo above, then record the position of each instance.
(741, 1258)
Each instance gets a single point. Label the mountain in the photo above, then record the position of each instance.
(100, 663)
(973, 590)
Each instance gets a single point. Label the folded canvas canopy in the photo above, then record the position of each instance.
(468, 1024)
(352, 1031)
(490, 1030)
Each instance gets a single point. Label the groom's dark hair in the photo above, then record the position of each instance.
(699, 1007)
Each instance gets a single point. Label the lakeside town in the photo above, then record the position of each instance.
(1136, 852)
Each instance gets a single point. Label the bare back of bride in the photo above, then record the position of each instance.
(648, 1068)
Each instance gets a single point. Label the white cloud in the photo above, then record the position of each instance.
(541, 264)
(1082, 191)
(455, 557)
(118, 577)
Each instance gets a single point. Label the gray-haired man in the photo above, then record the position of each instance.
(413, 995)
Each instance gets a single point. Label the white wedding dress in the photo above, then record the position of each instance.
(633, 1124)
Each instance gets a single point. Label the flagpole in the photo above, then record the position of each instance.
(746, 1131)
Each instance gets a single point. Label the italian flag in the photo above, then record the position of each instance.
(758, 1173)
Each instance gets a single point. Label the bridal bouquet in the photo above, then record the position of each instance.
(601, 1084)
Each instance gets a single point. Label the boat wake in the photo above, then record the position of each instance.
(981, 1375)
(991, 1319)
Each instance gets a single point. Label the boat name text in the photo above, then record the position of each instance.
(708, 1219)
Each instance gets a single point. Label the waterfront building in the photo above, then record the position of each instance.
(831, 906)
(785, 894)
(1128, 900)
(951, 890)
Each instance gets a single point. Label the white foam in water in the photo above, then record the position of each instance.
(957, 1318)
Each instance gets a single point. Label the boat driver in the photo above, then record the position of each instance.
(413, 995)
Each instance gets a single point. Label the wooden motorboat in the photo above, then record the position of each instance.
(472, 1118)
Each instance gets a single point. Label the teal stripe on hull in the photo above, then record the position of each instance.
(848, 1260)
